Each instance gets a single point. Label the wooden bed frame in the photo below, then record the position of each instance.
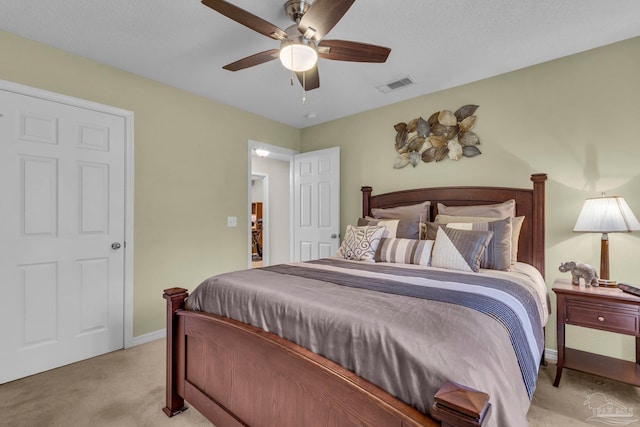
(237, 375)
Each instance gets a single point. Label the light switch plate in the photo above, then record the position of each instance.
(232, 221)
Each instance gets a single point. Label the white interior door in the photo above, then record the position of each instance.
(62, 183)
(316, 181)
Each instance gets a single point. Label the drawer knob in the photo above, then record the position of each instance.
(600, 318)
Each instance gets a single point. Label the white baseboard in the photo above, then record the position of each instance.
(551, 355)
(151, 336)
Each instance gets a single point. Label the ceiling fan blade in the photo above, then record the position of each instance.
(343, 50)
(250, 61)
(245, 18)
(309, 79)
(322, 16)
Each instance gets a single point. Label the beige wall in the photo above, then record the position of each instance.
(190, 168)
(574, 118)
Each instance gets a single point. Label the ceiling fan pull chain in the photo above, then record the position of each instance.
(304, 86)
(291, 67)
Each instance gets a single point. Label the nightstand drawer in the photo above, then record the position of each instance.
(613, 317)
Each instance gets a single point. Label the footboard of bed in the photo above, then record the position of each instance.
(239, 375)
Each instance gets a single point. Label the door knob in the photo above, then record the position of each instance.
(334, 236)
(115, 246)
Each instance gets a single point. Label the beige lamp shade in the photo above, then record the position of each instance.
(606, 215)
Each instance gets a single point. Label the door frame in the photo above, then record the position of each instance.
(129, 174)
(279, 153)
(264, 182)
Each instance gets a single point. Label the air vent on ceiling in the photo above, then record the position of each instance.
(404, 82)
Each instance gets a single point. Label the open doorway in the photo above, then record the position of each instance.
(259, 222)
(270, 196)
(290, 230)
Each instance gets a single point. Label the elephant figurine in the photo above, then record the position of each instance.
(579, 270)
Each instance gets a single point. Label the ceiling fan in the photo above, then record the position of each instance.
(302, 43)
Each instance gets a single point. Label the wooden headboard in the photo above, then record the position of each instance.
(529, 203)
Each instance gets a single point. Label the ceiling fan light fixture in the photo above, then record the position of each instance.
(298, 57)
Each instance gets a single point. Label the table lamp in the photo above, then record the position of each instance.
(606, 214)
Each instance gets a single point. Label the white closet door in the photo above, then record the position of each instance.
(62, 185)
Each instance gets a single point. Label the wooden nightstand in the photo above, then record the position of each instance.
(607, 309)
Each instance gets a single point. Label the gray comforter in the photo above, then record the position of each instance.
(407, 345)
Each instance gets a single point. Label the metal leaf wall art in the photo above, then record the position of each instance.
(444, 134)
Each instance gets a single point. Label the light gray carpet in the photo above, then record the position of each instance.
(123, 388)
(126, 388)
(565, 406)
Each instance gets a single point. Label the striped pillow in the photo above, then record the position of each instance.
(408, 228)
(459, 249)
(404, 251)
(497, 256)
(516, 227)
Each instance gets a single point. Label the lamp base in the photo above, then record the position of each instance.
(607, 283)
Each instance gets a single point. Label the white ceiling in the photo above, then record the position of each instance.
(440, 44)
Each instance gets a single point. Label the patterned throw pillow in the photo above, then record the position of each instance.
(360, 243)
(404, 251)
(459, 249)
